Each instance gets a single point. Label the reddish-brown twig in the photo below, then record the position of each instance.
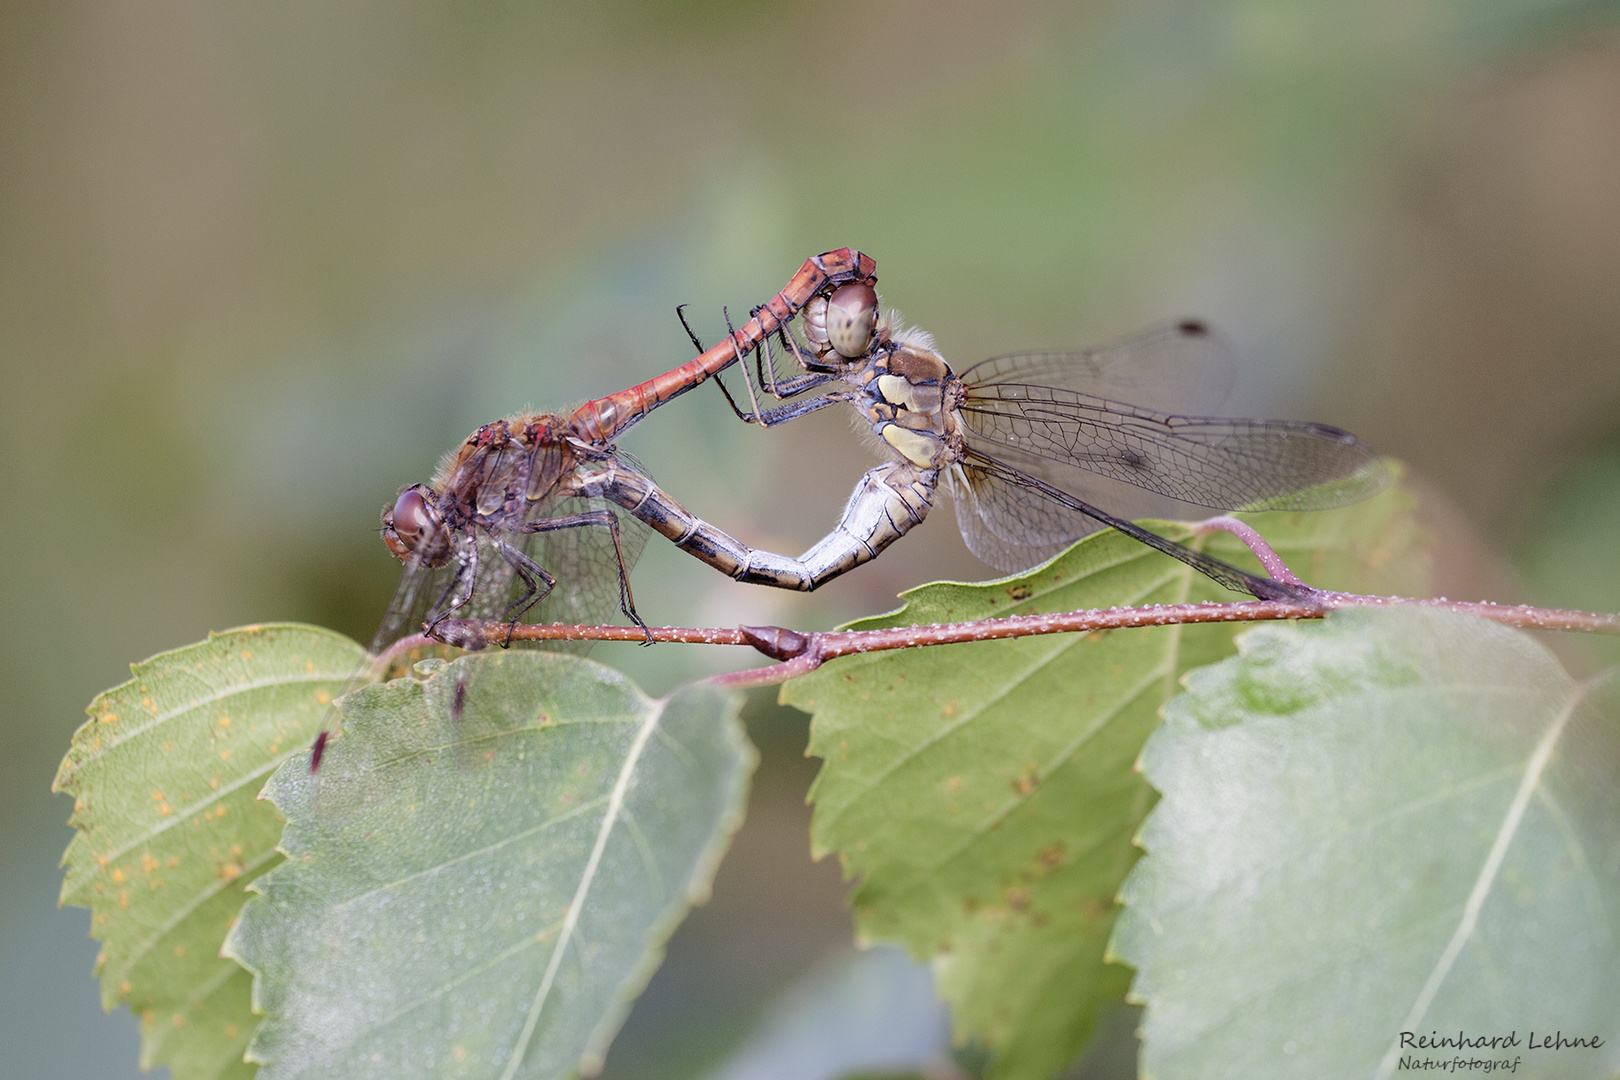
(803, 652)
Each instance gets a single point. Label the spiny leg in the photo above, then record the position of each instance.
(779, 389)
(527, 570)
(680, 314)
(466, 575)
(607, 519)
(753, 401)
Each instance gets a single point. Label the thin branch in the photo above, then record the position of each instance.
(804, 652)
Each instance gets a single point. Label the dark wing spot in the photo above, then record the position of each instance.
(1193, 327)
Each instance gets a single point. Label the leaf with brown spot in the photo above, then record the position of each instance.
(165, 777)
(1041, 733)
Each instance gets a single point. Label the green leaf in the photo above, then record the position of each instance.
(984, 792)
(1399, 820)
(164, 778)
(483, 896)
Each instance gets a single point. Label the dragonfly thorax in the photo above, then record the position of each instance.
(907, 393)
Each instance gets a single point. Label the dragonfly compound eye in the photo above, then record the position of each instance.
(408, 523)
(851, 315)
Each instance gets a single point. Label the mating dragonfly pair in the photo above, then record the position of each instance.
(541, 516)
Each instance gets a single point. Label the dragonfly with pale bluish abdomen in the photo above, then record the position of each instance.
(1038, 449)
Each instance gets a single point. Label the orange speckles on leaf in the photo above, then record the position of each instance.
(101, 860)
(224, 755)
(123, 899)
(230, 1031)
(230, 871)
(178, 1020)
(459, 1053)
(179, 950)
(118, 875)
(108, 718)
(148, 863)
(224, 721)
(157, 796)
(149, 705)
(1027, 781)
(309, 667)
(236, 849)
(165, 809)
(322, 697)
(124, 987)
(174, 860)
(246, 655)
(168, 747)
(101, 920)
(1017, 899)
(1052, 856)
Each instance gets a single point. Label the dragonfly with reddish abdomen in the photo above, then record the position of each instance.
(1038, 449)
(547, 474)
(531, 502)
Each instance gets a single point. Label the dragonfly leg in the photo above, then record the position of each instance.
(607, 520)
(783, 413)
(527, 570)
(680, 314)
(889, 500)
(731, 333)
(461, 584)
(781, 389)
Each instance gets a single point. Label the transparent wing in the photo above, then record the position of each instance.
(982, 501)
(582, 558)
(1004, 500)
(419, 587)
(1172, 366)
(1069, 439)
(584, 561)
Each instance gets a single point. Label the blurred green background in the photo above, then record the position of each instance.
(261, 264)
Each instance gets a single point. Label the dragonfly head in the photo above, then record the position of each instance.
(413, 529)
(851, 316)
(839, 327)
